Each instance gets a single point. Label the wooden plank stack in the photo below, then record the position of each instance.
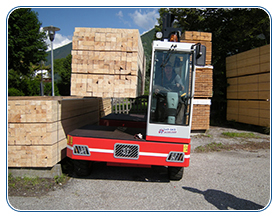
(37, 127)
(107, 62)
(201, 117)
(203, 81)
(248, 91)
(104, 107)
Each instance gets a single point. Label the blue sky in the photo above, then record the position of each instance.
(67, 19)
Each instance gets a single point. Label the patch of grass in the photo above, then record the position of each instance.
(61, 179)
(202, 135)
(211, 147)
(249, 146)
(31, 181)
(242, 134)
(34, 186)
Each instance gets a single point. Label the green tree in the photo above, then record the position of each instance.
(62, 69)
(26, 46)
(48, 89)
(233, 31)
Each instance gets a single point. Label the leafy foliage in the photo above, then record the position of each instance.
(26, 46)
(62, 68)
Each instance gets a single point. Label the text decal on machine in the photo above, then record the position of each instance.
(167, 131)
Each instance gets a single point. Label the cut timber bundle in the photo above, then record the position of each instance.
(250, 62)
(249, 112)
(104, 85)
(249, 87)
(107, 62)
(248, 91)
(104, 106)
(203, 82)
(37, 127)
(201, 117)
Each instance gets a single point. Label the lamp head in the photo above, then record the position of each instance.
(51, 31)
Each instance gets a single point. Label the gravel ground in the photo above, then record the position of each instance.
(214, 134)
(227, 180)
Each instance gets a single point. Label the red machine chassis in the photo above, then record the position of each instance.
(100, 141)
(150, 152)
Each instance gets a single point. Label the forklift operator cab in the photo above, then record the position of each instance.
(171, 90)
(170, 82)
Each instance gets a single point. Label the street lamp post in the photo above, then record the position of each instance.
(51, 33)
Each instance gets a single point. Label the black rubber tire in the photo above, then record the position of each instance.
(175, 173)
(82, 167)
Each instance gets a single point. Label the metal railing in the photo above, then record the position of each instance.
(130, 105)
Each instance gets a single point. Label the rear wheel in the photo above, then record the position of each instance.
(175, 173)
(82, 167)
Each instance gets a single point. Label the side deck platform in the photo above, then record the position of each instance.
(108, 132)
(124, 120)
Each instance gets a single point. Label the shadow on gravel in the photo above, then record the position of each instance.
(104, 172)
(223, 201)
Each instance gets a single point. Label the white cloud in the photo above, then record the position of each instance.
(119, 14)
(145, 19)
(59, 41)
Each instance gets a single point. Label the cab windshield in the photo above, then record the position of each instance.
(171, 88)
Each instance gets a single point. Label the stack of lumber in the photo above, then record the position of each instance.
(37, 127)
(107, 62)
(248, 91)
(104, 107)
(255, 112)
(203, 81)
(201, 116)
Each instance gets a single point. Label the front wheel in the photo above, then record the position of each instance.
(82, 167)
(175, 173)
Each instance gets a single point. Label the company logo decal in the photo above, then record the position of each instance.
(167, 131)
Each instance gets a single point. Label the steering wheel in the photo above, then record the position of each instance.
(174, 88)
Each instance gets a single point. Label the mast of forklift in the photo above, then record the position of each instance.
(169, 32)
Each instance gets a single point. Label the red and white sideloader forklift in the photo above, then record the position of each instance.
(162, 136)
